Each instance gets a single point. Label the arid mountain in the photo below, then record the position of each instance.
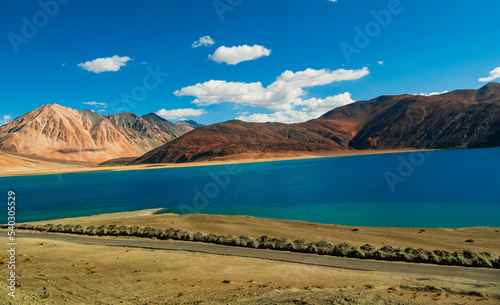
(185, 126)
(58, 132)
(458, 119)
(139, 132)
(241, 138)
(176, 130)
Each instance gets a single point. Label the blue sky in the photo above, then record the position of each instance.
(274, 60)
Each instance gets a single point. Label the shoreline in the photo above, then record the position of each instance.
(103, 216)
(158, 212)
(55, 168)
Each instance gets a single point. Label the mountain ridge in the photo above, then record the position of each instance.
(457, 119)
(58, 132)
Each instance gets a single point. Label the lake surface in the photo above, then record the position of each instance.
(456, 188)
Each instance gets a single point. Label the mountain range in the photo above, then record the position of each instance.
(57, 132)
(458, 119)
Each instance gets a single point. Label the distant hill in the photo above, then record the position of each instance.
(176, 130)
(54, 131)
(458, 119)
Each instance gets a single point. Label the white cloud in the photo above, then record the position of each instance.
(179, 113)
(235, 55)
(434, 93)
(6, 119)
(494, 74)
(312, 109)
(94, 103)
(285, 95)
(381, 63)
(105, 64)
(98, 105)
(321, 106)
(280, 95)
(204, 41)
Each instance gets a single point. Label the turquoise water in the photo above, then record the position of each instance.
(456, 188)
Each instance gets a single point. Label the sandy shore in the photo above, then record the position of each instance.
(16, 165)
(82, 274)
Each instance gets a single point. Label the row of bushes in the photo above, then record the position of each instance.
(465, 258)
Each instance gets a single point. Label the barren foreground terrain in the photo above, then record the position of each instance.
(67, 273)
(58, 272)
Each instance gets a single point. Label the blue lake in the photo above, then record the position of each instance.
(456, 188)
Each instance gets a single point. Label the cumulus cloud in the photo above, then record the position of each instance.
(285, 95)
(235, 55)
(321, 106)
(204, 41)
(105, 64)
(494, 74)
(6, 119)
(94, 103)
(280, 95)
(434, 93)
(308, 110)
(179, 113)
(101, 107)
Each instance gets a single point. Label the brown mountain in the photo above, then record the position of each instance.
(176, 130)
(139, 132)
(458, 119)
(185, 126)
(237, 137)
(54, 131)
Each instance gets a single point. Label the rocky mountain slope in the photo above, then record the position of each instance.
(176, 130)
(237, 137)
(58, 132)
(458, 119)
